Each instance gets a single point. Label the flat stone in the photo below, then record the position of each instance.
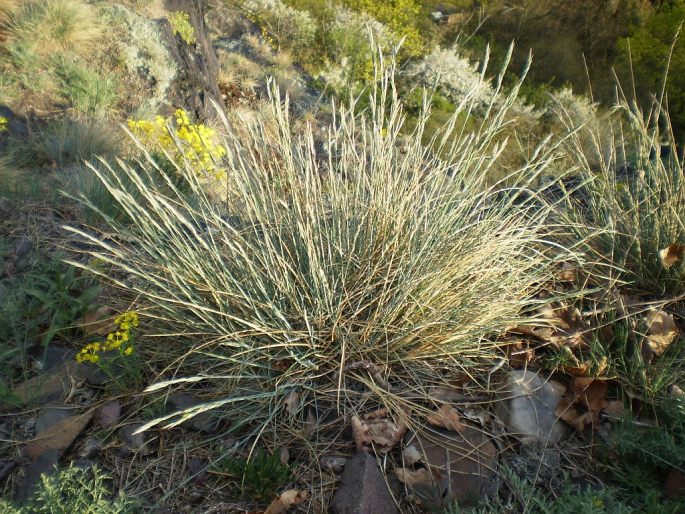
(206, 422)
(527, 404)
(50, 416)
(51, 385)
(130, 438)
(44, 464)
(58, 436)
(363, 489)
(462, 466)
(108, 414)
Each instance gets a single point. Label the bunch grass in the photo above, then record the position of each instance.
(49, 25)
(632, 184)
(315, 268)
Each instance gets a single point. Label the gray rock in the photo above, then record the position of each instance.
(363, 489)
(132, 441)
(462, 466)
(43, 465)
(207, 422)
(527, 404)
(49, 416)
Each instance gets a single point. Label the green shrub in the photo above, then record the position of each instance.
(260, 475)
(74, 490)
(378, 253)
(180, 23)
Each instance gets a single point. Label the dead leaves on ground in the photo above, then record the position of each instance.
(377, 430)
(661, 332)
(583, 402)
(286, 501)
(671, 254)
(446, 417)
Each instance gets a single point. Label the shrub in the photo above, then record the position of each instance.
(180, 23)
(65, 142)
(399, 16)
(178, 139)
(453, 76)
(74, 490)
(376, 252)
(284, 26)
(89, 92)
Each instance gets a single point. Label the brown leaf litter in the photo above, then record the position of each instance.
(377, 430)
(671, 254)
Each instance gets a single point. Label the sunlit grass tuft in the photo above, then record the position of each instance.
(52, 25)
(635, 189)
(373, 267)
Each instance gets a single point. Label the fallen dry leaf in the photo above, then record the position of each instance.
(58, 437)
(671, 254)
(414, 477)
(377, 429)
(613, 408)
(99, 322)
(285, 501)
(446, 417)
(590, 392)
(360, 432)
(411, 455)
(520, 354)
(661, 331)
(292, 402)
(444, 394)
(568, 326)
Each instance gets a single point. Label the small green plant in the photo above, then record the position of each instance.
(262, 476)
(64, 142)
(520, 495)
(180, 23)
(46, 302)
(4, 123)
(74, 490)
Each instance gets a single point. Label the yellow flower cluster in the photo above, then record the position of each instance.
(120, 339)
(197, 144)
(4, 122)
(180, 22)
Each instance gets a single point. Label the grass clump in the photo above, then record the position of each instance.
(572, 498)
(49, 25)
(634, 185)
(74, 490)
(376, 252)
